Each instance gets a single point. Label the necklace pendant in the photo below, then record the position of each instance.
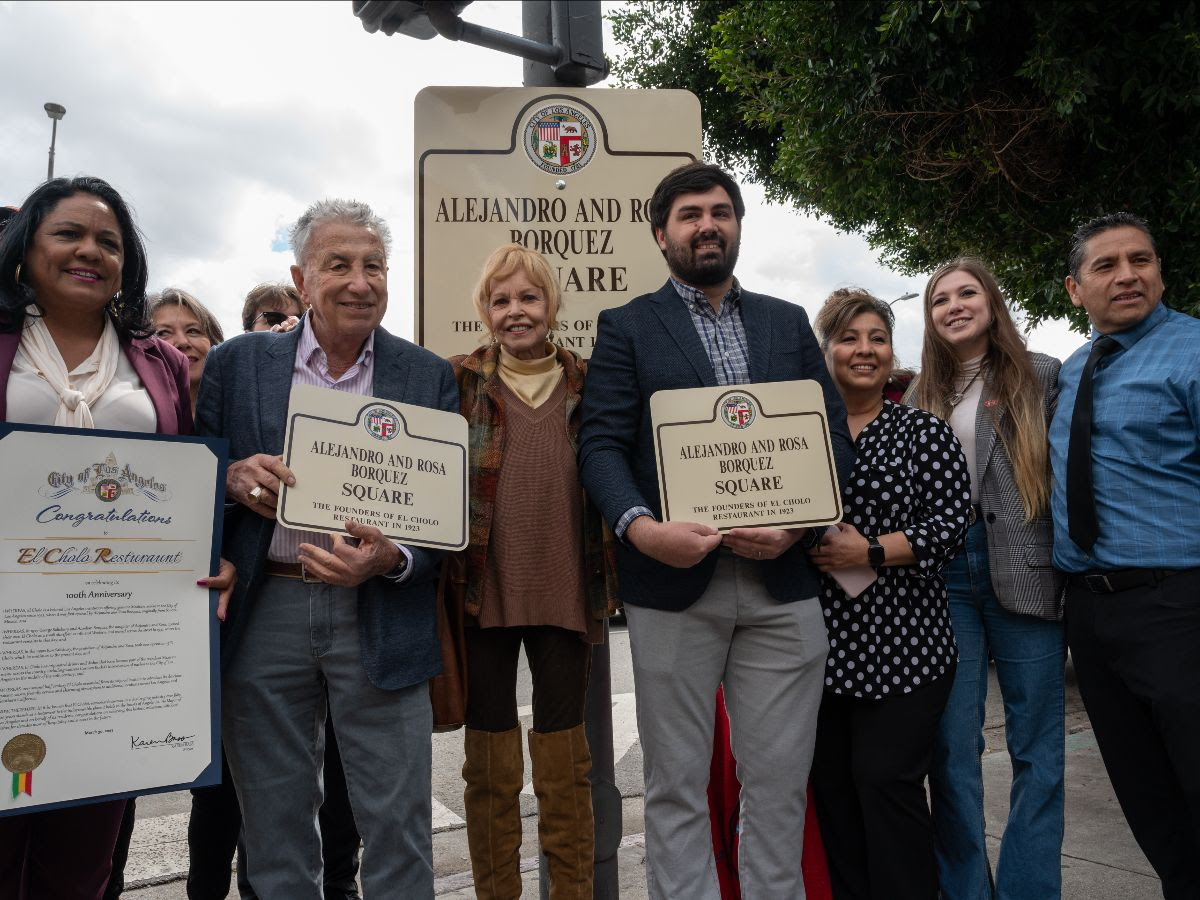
(955, 398)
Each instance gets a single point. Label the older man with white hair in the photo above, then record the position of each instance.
(317, 622)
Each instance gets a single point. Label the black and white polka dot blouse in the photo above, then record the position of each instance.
(910, 475)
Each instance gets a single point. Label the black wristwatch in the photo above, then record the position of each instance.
(875, 554)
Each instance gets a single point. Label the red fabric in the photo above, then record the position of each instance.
(723, 804)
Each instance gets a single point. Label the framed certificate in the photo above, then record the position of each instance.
(746, 455)
(400, 468)
(108, 649)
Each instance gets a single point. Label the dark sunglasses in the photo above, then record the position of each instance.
(272, 317)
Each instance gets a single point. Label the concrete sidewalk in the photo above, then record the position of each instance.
(1100, 859)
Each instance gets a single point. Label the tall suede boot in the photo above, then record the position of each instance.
(494, 773)
(561, 763)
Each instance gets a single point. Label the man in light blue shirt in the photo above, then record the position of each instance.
(1126, 505)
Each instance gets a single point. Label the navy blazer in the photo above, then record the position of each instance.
(650, 344)
(244, 397)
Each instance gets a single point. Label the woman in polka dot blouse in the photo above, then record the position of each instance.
(891, 648)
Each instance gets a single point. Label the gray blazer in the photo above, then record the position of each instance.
(1018, 551)
(244, 397)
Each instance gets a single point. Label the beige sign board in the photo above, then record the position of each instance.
(398, 467)
(746, 455)
(566, 172)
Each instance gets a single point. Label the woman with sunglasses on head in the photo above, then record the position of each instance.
(75, 352)
(1004, 596)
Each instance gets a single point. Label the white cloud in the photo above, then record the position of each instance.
(221, 121)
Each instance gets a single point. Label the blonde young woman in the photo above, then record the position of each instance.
(1004, 596)
(533, 576)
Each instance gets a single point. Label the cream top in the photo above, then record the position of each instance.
(125, 404)
(963, 415)
(533, 380)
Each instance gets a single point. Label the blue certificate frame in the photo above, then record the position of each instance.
(105, 685)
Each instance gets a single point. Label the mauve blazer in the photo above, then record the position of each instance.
(244, 397)
(650, 344)
(162, 369)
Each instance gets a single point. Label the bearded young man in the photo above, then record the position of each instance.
(706, 609)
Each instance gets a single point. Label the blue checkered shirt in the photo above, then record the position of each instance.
(724, 338)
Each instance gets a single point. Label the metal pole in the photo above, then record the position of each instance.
(53, 136)
(536, 25)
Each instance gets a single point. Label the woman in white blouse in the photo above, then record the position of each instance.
(74, 353)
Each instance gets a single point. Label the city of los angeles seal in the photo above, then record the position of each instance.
(559, 139)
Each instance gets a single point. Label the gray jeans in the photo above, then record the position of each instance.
(300, 643)
(771, 658)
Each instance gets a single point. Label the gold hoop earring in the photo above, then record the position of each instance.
(17, 274)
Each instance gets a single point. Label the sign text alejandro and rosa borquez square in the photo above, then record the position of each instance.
(568, 173)
(746, 455)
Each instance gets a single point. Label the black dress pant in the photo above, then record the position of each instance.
(216, 823)
(868, 781)
(1137, 658)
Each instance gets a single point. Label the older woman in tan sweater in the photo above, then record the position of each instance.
(533, 575)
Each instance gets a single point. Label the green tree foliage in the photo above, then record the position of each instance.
(941, 127)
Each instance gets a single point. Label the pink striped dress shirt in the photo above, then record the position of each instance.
(312, 368)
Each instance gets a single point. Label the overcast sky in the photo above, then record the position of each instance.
(221, 122)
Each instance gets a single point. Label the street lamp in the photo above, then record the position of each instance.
(55, 111)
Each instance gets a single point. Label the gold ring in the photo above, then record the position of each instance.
(256, 493)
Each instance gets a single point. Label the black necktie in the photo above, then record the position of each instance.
(1081, 501)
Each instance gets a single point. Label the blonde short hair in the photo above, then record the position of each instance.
(506, 261)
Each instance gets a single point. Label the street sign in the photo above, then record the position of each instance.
(566, 172)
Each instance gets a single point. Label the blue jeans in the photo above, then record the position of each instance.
(1030, 655)
(300, 659)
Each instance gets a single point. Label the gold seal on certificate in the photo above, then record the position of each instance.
(398, 467)
(21, 755)
(110, 649)
(746, 455)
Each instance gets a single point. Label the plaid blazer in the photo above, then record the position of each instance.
(482, 407)
(1019, 552)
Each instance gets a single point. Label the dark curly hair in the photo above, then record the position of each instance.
(129, 314)
(692, 178)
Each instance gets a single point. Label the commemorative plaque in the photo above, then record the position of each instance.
(400, 468)
(109, 649)
(746, 455)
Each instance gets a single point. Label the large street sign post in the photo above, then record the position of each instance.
(569, 173)
(597, 155)
(566, 172)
